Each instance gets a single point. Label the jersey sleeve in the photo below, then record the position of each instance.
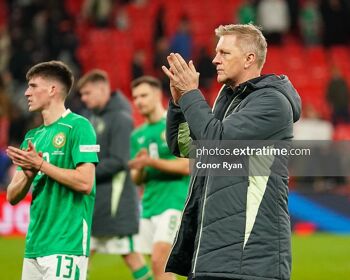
(84, 147)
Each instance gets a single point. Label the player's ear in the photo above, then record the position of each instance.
(249, 60)
(52, 90)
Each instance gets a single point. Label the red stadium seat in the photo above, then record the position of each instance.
(342, 132)
(316, 55)
(73, 7)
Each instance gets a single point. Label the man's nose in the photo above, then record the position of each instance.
(215, 61)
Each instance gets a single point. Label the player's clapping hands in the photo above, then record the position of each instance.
(28, 159)
(141, 160)
(183, 77)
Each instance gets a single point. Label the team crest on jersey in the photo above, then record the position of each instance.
(59, 140)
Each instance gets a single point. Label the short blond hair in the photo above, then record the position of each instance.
(250, 38)
(152, 81)
(93, 76)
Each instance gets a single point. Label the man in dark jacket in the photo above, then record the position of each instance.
(116, 215)
(233, 227)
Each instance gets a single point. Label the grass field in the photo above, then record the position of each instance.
(315, 257)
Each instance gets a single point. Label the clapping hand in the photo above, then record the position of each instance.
(29, 160)
(140, 161)
(183, 77)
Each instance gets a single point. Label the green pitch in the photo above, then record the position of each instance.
(315, 257)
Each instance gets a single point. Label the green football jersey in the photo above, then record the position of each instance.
(60, 218)
(162, 190)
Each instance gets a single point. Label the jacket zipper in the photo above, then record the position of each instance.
(233, 100)
(201, 229)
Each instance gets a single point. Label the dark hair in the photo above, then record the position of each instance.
(153, 82)
(95, 75)
(53, 69)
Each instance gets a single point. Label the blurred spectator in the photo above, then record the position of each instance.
(206, 68)
(40, 25)
(310, 22)
(160, 54)
(140, 3)
(138, 64)
(276, 26)
(40, 30)
(160, 59)
(97, 12)
(62, 41)
(337, 94)
(159, 24)
(294, 10)
(5, 164)
(5, 109)
(18, 126)
(336, 17)
(21, 58)
(247, 12)
(182, 41)
(121, 19)
(4, 48)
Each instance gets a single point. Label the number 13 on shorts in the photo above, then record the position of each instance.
(64, 270)
(71, 267)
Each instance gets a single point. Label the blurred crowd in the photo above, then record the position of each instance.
(32, 31)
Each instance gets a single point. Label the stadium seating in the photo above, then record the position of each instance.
(307, 67)
(74, 7)
(3, 13)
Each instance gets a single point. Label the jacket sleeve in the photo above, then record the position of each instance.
(178, 133)
(118, 148)
(264, 114)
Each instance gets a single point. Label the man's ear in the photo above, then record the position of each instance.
(104, 88)
(52, 90)
(249, 60)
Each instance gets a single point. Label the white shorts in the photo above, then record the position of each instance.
(160, 228)
(112, 245)
(55, 267)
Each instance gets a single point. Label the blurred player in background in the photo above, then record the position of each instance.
(58, 158)
(163, 176)
(116, 213)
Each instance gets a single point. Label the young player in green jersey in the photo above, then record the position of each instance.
(163, 176)
(58, 158)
